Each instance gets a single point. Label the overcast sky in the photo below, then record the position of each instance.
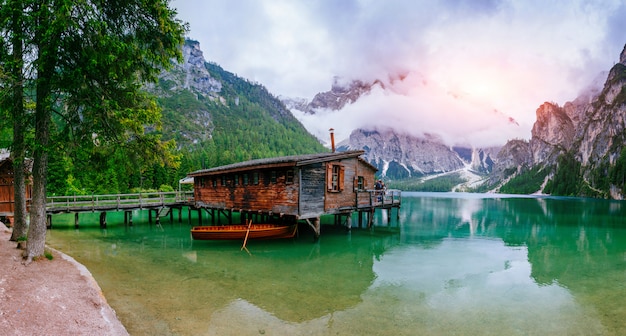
(457, 68)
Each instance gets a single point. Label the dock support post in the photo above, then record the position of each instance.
(128, 218)
(103, 220)
(150, 216)
(360, 219)
(76, 220)
(349, 221)
(316, 228)
(200, 216)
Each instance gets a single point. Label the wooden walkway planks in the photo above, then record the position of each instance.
(114, 202)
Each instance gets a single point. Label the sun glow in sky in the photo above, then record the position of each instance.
(457, 68)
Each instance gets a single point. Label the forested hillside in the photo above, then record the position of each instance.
(234, 120)
(245, 122)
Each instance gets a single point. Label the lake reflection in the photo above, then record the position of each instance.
(462, 264)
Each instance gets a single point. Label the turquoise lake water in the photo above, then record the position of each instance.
(452, 264)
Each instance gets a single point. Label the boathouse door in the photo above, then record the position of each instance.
(312, 190)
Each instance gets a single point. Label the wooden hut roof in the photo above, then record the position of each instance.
(282, 161)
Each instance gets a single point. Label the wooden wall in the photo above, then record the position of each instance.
(308, 195)
(339, 201)
(279, 197)
(7, 203)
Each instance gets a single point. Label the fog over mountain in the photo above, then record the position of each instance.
(458, 67)
(410, 105)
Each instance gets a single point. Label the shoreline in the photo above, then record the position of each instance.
(51, 297)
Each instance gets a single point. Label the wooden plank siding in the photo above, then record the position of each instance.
(305, 186)
(7, 202)
(271, 193)
(344, 198)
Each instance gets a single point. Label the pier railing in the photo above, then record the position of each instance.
(379, 198)
(79, 203)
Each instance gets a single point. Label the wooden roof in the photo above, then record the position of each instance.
(282, 161)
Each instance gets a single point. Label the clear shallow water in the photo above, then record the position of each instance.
(461, 264)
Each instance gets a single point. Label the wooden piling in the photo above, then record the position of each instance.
(103, 220)
(360, 219)
(128, 218)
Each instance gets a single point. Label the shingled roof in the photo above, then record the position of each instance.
(282, 161)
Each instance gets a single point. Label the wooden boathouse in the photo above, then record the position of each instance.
(7, 193)
(292, 188)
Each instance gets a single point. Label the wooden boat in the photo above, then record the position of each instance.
(252, 231)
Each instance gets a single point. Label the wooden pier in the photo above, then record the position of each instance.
(158, 204)
(370, 200)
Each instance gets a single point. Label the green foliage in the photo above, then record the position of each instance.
(166, 188)
(600, 176)
(438, 184)
(510, 171)
(528, 182)
(244, 122)
(567, 178)
(617, 173)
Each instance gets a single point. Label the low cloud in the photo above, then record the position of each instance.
(468, 65)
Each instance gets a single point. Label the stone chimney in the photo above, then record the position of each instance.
(332, 139)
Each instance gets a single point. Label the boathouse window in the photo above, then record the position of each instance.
(236, 179)
(245, 179)
(255, 178)
(202, 182)
(214, 182)
(223, 181)
(360, 185)
(289, 177)
(273, 176)
(334, 177)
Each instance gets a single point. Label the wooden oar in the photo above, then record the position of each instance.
(245, 241)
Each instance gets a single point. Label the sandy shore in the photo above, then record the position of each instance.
(50, 297)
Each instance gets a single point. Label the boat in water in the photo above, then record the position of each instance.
(243, 231)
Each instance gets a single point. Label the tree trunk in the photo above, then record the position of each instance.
(18, 151)
(37, 229)
(47, 56)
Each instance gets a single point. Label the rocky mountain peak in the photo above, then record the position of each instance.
(590, 128)
(196, 74)
(399, 155)
(340, 95)
(552, 128)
